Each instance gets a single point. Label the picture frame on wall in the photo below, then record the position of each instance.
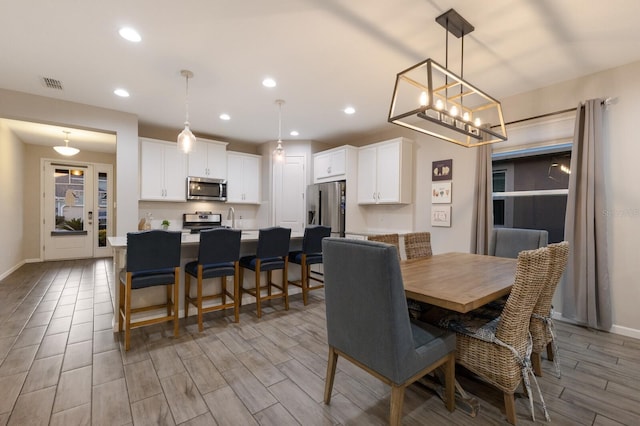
(441, 216)
(442, 170)
(441, 193)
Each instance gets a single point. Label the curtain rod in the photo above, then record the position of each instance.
(606, 101)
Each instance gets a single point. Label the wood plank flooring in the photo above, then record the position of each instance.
(61, 364)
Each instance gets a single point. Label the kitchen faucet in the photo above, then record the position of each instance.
(231, 214)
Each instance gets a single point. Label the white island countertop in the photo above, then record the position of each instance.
(194, 239)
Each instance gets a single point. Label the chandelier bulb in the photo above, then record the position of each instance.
(439, 104)
(424, 99)
(454, 111)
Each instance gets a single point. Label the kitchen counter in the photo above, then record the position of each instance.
(189, 252)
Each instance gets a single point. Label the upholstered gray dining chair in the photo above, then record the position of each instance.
(508, 242)
(368, 323)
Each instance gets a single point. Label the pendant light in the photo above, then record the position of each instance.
(186, 139)
(65, 149)
(278, 153)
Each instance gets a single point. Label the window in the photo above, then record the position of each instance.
(530, 190)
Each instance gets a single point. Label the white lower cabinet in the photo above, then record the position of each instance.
(163, 171)
(243, 178)
(385, 172)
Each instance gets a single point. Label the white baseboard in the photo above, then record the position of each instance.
(34, 260)
(615, 329)
(11, 270)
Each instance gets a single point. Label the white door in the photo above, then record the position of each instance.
(76, 218)
(289, 191)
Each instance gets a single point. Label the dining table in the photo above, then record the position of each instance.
(459, 282)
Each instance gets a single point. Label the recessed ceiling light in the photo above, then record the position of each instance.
(294, 133)
(269, 82)
(349, 110)
(130, 34)
(122, 93)
(225, 117)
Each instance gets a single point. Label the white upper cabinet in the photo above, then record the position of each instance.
(208, 159)
(163, 171)
(331, 165)
(385, 172)
(243, 178)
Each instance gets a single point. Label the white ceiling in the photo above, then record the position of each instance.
(324, 54)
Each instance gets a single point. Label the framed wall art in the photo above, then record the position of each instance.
(441, 216)
(441, 193)
(442, 170)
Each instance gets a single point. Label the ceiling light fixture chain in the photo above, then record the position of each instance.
(186, 139)
(278, 153)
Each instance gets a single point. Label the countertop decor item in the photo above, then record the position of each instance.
(430, 99)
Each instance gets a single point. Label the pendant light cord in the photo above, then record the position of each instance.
(186, 98)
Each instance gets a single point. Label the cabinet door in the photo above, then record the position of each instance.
(198, 160)
(321, 166)
(338, 161)
(151, 171)
(175, 174)
(216, 161)
(235, 180)
(251, 172)
(367, 176)
(388, 177)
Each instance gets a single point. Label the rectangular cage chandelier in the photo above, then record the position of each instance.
(430, 99)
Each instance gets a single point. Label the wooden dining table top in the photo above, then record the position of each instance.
(458, 281)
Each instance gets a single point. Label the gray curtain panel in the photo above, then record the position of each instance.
(482, 222)
(586, 293)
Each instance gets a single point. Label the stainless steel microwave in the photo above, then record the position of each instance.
(205, 189)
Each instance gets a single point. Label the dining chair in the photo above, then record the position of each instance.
(541, 326)
(368, 323)
(153, 259)
(218, 256)
(417, 244)
(272, 254)
(311, 254)
(393, 239)
(499, 349)
(508, 242)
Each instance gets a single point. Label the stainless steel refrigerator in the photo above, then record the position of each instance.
(326, 206)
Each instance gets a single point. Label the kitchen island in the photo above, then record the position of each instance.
(189, 252)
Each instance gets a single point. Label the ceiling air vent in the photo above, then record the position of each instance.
(52, 83)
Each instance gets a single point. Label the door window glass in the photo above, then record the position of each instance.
(69, 199)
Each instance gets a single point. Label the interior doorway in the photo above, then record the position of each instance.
(289, 183)
(75, 213)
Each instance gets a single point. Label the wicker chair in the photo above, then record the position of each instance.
(541, 326)
(418, 244)
(392, 239)
(499, 351)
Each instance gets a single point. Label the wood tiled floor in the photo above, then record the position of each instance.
(61, 364)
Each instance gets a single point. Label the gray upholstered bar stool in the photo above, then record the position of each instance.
(272, 254)
(153, 259)
(218, 256)
(311, 254)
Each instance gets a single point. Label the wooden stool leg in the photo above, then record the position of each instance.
(127, 313)
(174, 305)
(240, 286)
(258, 307)
(187, 293)
(236, 293)
(199, 299)
(285, 283)
(304, 280)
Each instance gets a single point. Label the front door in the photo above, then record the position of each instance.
(75, 210)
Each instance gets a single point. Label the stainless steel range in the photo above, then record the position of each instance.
(200, 221)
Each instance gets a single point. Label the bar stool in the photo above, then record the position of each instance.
(153, 258)
(311, 254)
(271, 254)
(218, 256)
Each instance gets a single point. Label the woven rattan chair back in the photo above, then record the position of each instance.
(392, 239)
(418, 244)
